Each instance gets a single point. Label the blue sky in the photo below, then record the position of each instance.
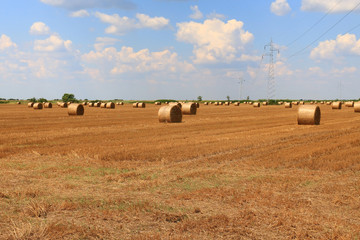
(179, 49)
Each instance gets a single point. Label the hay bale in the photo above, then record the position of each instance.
(18, 103)
(295, 103)
(227, 104)
(357, 107)
(170, 114)
(328, 103)
(135, 105)
(221, 103)
(110, 105)
(189, 108)
(64, 105)
(158, 103)
(309, 115)
(302, 103)
(103, 105)
(175, 103)
(349, 104)
(264, 103)
(256, 104)
(197, 105)
(237, 104)
(141, 105)
(38, 106)
(30, 104)
(206, 103)
(76, 110)
(48, 105)
(58, 103)
(97, 104)
(91, 104)
(336, 105)
(288, 105)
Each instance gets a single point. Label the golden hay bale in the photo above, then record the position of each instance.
(157, 103)
(170, 114)
(38, 106)
(103, 105)
(264, 103)
(175, 103)
(48, 105)
(237, 104)
(251, 103)
(135, 105)
(110, 105)
(18, 103)
(302, 103)
(64, 105)
(256, 104)
(97, 104)
(308, 115)
(84, 103)
(141, 105)
(280, 103)
(288, 105)
(227, 104)
(295, 103)
(336, 105)
(349, 104)
(206, 103)
(197, 105)
(328, 103)
(322, 102)
(357, 107)
(189, 108)
(68, 103)
(30, 104)
(221, 103)
(91, 104)
(58, 103)
(76, 109)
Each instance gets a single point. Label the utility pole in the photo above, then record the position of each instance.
(271, 74)
(241, 86)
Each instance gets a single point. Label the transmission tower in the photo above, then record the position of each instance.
(271, 74)
(241, 86)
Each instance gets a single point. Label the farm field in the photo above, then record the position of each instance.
(227, 173)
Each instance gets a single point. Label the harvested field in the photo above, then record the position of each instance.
(225, 173)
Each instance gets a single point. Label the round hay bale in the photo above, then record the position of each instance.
(48, 105)
(257, 104)
(357, 107)
(84, 103)
(309, 115)
(206, 103)
(295, 103)
(110, 105)
(157, 103)
(64, 105)
(135, 105)
(251, 103)
(68, 103)
(38, 106)
(30, 104)
(302, 103)
(170, 114)
(227, 104)
(91, 104)
(328, 103)
(336, 105)
(97, 104)
(18, 103)
(103, 105)
(237, 104)
(58, 103)
(322, 102)
(141, 105)
(349, 104)
(76, 110)
(197, 105)
(288, 105)
(175, 103)
(189, 108)
(264, 103)
(280, 103)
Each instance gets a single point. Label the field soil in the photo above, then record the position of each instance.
(226, 173)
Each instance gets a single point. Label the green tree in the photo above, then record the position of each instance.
(32, 99)
(228, 98)
(42, 100)
(68, 97)
(199, 98)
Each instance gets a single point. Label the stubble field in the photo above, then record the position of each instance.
(227, 173)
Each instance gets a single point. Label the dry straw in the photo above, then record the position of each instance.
(48, 105)
(91, 104)
(206, 103)
(328, 103)
(76, 110)
(110, 105)
(264, 103)
(135, 105)
(256, 104)
(237, 104)
(157, 103)
(197, 105)
(64, 105)
(309, 115)
(288, 105)
(336, 105)
(227, 104)
(38, 106)
(349, 104)
(30, 104)
(175, 103)
(103, 105)
(170, 114)
(97, 104)
(18, 103)
(357, 107)
(189, 108)
(141, 105)
(302, 103)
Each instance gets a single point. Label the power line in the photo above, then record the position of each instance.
(328, 30)
(316, 23)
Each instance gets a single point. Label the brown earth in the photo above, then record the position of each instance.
(227, 173)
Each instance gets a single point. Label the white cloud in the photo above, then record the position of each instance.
(80, 13)
(39, 28)
(5, 42)
(102, 42)
(343, 45)
(120, 25)
(196, 14)
(52, 44)
(84, 4)
(215, 15)
(326, 5)
(112, 61)
(280, 7)
(215, 40)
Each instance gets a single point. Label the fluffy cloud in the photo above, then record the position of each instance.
(280, 7)
(84, 4)
(6, 43)
(326, 5)
(196, 14)
(39, 28)
(111, 61)
(102, 42)
(52, 44)
(346, 44)
(120, 25)
(80, 13)
(215, 40)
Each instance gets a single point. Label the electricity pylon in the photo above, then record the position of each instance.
(271, 74)
(241, 86)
